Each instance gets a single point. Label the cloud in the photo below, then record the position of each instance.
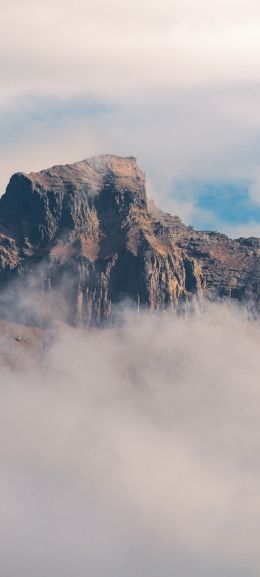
(135, 451)
(227, 206)
(180, 82)
(121, 50)
(255, 188)
(162, 130)
(251, 228)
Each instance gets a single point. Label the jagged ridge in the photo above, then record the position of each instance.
(88, 229)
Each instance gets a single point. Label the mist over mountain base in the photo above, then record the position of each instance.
(131, 450)
(88, 236)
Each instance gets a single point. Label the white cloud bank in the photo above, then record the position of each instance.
(136, 453)
(115, 50)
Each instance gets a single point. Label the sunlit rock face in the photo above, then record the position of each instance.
(89, 239)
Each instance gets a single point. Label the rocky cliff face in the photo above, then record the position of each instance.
(89, 236)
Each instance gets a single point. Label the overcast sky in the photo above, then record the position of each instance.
(175, 83)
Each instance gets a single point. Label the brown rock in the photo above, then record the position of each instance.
(91, 239)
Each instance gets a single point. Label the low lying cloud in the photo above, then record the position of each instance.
(133, 450)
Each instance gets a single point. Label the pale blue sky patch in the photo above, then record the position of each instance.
(23, 115)
(218, 205)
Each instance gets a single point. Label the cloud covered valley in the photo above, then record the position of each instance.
(133, 449)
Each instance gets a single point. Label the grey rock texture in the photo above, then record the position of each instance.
(93, 240)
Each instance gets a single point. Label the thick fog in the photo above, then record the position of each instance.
(134, 451)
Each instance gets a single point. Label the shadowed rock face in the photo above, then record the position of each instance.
(87, 231)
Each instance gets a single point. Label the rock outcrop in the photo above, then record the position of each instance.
(90, 239)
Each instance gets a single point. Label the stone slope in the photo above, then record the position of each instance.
(92, 240)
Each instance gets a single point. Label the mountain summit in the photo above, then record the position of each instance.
(86, 232)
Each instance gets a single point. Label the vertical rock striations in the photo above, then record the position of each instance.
(87, 231)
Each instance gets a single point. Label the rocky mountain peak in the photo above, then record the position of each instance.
(48, 203)
(90, 174)
(87, 227)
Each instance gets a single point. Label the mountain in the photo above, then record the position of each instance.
(87, 236)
